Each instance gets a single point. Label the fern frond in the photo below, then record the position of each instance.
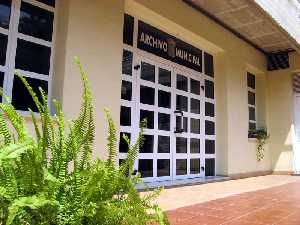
(111, 139)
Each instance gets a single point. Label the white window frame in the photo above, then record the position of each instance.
(253, 91)
(13, 36)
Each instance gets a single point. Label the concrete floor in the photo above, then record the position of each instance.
(190, 195)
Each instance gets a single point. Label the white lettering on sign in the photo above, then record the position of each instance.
(163, 46)
(154, 42)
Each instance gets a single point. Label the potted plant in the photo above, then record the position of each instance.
(261, 135)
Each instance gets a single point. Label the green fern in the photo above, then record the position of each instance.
(51, 179)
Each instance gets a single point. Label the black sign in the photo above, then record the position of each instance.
(166, 46)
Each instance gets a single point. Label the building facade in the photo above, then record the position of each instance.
(203, 73)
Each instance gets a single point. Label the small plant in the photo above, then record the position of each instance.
(51, 179)
(262, 136)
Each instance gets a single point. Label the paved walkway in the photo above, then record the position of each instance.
(268, 200)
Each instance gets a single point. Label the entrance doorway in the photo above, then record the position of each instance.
(173, 100)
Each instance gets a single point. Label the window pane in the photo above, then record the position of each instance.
(163, 121)
(148, 72)
(126, 92)
(164, 99)
(209, 128)
(195, 87)
(252, 115)
(123, 146)
(128, 29)
(147, 146)
(182, 83)
(209, 64)
(194, 145)
(209, 167)
(48, 2)
(251, 98)
(146, 167)
(181, 145)
(195, 166)
(3, 48)
(181, 166)
(209, 147)
(125, 116)
(36, 22)
(163, 144)
(209, 89)
(195, 106)
(163, 167)
(1, 83)
(149, 116)
(5, 8)
(209, 109)
(33, 57)
(252, 126)
(178, 123)
(251, 80)
(164, 77)
(21, 99)
(147, 95)
(127, 63)
(182, 103)
(195, 126)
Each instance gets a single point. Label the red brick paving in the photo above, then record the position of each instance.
(274, 206)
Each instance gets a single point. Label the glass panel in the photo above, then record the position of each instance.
(251, 80)
(181, 145)
(209, 109)
(5, 9)
(125, 116)
(195, 166)
(194, 145)
(209, 128)
(36, 22)
(181, 166)
(209, 147)
(33, 57)
(126, 92)
(209, 64)
(163, 121)
(1, 83)
(148, 144)
(163, 144)
(164, 77)
(195, 87)
(3, 48)
(209, 167)
(123, 146)
(182, 103)
(164, 99)
(252, 126)
(163, 167)
(182, 83)
(21, 99)
(252, 115)
(128, 29)
(147, 95)
(149, 115)
(251, 98)
(48, 2)
(195, 106)
(127, 62)
(148, 72)
(209, 89)
(146, 167)
(195, 126)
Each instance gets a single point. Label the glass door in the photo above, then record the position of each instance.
(188, 154)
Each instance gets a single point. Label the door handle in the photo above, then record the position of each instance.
(179, 130)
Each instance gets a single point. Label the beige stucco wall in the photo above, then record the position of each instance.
(281, 114)
(233, 58)
(93, 29)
